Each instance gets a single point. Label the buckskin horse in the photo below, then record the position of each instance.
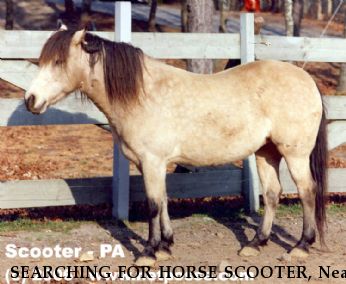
(227, 117)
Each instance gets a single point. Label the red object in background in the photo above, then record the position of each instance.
(252, 5)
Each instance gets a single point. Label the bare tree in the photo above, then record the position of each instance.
(9, 15)
(288, 5)
(327, 7)
(69, 7)
(72, 16)
(224, 7)
(265, 5)
(293, 11)
(86, 5)
(298, 13)
(306, 6)
(335, 4)
(315, 9)
(341, 88)
(277, 6)
(152, 15)
(200, 20)
(183, 16)
(235, 5)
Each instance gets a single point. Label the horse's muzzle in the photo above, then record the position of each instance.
(30, 104)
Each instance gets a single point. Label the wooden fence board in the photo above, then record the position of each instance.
(158, 45)
(18, 72)
(194, 185)
(41, 193)
(335, 107)
(336, 180)
(31, 43)
(300, 48)
(186, 45)
(336, 134)
(22, 44)
(69, 111)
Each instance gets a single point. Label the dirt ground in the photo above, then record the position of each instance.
(71, 151)
(199, 240)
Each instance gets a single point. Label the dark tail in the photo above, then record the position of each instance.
(318, 166)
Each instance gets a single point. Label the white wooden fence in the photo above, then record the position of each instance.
(16, 46)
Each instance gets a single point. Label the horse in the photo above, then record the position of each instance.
(160, 114)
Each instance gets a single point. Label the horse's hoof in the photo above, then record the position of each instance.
(145, 261)
(162, 255)
(298, 253)
(249, 251)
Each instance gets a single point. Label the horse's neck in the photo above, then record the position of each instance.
(153, 72)
(95, 90)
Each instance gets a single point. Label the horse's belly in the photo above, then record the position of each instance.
(215, 147)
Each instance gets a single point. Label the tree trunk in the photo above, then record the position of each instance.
(183, 16)
(341, 88)
(235, 5)
(298, 13)
(200, 20)
(289, 17)
(72, 16)
(224, 6)
(152, 16)
(269, 5)
(327, 8)
(306, 7)
(277, 6)
(9, 15)
(315, 10)
(86, 6)
(335, 4)
(69, 7)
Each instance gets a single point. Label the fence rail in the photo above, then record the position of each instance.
(193, 46)
(93, 191)
(246, 46)
(40, 193)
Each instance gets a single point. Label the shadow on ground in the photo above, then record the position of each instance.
(228, 211)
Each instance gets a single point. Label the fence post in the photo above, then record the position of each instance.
(251, 186)
(121, 172)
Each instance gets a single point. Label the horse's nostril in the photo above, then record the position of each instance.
(30, 102)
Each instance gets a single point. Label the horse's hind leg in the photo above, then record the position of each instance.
(299, 167)
(160, 233)
(268, 161)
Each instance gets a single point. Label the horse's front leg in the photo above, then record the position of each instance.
(160, 232)
(164, 251)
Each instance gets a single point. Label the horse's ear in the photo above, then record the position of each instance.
(79, 36)
(61, 25)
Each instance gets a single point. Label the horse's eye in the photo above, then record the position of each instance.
(58, 62)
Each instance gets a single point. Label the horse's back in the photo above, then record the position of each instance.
(215, 119)
(251, 104)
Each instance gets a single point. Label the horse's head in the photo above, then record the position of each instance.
(66, 62)
(61, 66)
